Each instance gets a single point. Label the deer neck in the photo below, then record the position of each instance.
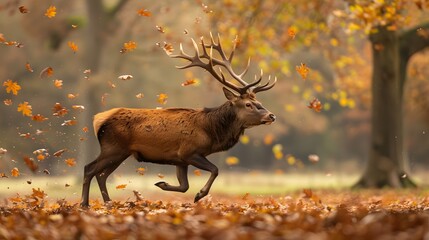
(222, 126)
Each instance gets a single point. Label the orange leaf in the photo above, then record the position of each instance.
(291, 31)
(316, 105)
(38, 193)
(73, 46)
(70, 162)
(85, 129)
(28, 67)
(144, 12)
(12, 86)
(69, 123)
(40, 157)
(168, 48)
(141, 170)
(129, 47)
(51, 12)
(197, 172)
(58, 83)
(47, 72)
(160, 29)
(25, 108)
(160, 175)
(302, 70)
(162, 98)
(232, 161)
(2, 38)
(72, 96)
(59, 110)
(15, 172)
(38, 118)
(59, 152)
(189, 82)
(121, 186)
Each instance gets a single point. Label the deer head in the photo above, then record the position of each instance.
(243, 98)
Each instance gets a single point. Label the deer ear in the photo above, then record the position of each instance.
(229, 94)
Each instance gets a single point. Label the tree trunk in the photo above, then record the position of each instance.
(386, 164)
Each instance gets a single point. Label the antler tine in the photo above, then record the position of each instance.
(265, 87)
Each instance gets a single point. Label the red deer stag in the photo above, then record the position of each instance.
(179, 136)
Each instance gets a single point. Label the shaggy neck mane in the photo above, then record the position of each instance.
(222, 124)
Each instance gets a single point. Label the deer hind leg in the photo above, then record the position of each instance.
(89, 173)
(204, 164)
(182, 176)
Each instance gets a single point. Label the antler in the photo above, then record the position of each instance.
(225, 62)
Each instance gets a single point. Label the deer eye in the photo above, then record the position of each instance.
(248, 105)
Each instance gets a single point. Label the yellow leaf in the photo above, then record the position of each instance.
(70, 162)
(291, 160)
(291, 31)
(51, 12)
(121, 186)
(162, 98)
(73, 46)
(12, 86)
(232, 160)
(14, 172)
(129, 47)
(25, 108)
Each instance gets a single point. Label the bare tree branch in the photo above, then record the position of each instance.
(414, 40)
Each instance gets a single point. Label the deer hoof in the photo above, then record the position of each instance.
(199, 196)
(161, 185)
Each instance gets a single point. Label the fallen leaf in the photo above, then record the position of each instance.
(38, 193)
(73, 46)
(303, 70)
(70, 162)
(51, 12)
(246, 195)
(15, 172)
(121, 186)
(47, 72)
(12, 86)
(308, 193)
(144, 12)
(25, 108)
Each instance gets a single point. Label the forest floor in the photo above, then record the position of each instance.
(316, 213)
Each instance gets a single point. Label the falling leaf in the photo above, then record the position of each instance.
(38, 118)
(103, 98)
(40, 151)
(112, 85)
(278, 151)
(51, 12)
(303, 70)
(206, 8)
(185, 31)
(7, 102)
(28, 67)
(125, 77)
(46, 171)
(197, 172)
(23, 9)
(313, 158)
(14, 172)
(69, 123)
(160, 175)
(308, 193)
(47, 72)
(58, 83)
(25, 108)
(59, 152)
(129, 47)
(29, 182)
(72, 96)
(162, 98)
(144, 12)
(12, 86)
(291, 31)
(189, 82)
(268, 139)
(121, 186)
(67, 185)
(38, 193)
(74, 26)
(73, 46)
(2, 38)
(78, 107)
(70, 162)
(59, 110)
(232, 160)
(141, 170)
(3, 151)
(168, 48)
(316, 105)
(138, 195)
(85, 129)
(40, 157)
(139, 95)
(244, 139)
(3, 175)
(160, 29)
(245, 196)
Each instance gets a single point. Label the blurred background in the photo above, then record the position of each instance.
(88, 44)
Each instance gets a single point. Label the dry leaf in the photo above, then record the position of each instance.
(316, 105)
(78, 107)
(3, 151)
(168, 48)
(303, 70)
(38, 118)
(144, 12)
(7, 102)
(15, 172)
(23, 9)
(59, 110)
(70, 162)
(25, 108)
(139, 95)
(313, 158)
(59, 152)
(40, 157)
(129, 47)
(197, 172)
(28, 67)
(162, 98)
(85, 129)
(12, 86)
(73, 46)
(160, 175)
(72, 96)
(189, 82)
(291, 31)
(69, 123)
(46, 171)
(51, 12)
(160, 29)
(232, 160)
(121, 186)
(125, 77)
(58, 83)
(47, 72)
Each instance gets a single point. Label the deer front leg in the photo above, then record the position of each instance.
(204, 164)
(182, 176)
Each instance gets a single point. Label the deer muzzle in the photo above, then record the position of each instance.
(268, 119)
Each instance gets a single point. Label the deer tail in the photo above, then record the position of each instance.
(101, 118)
